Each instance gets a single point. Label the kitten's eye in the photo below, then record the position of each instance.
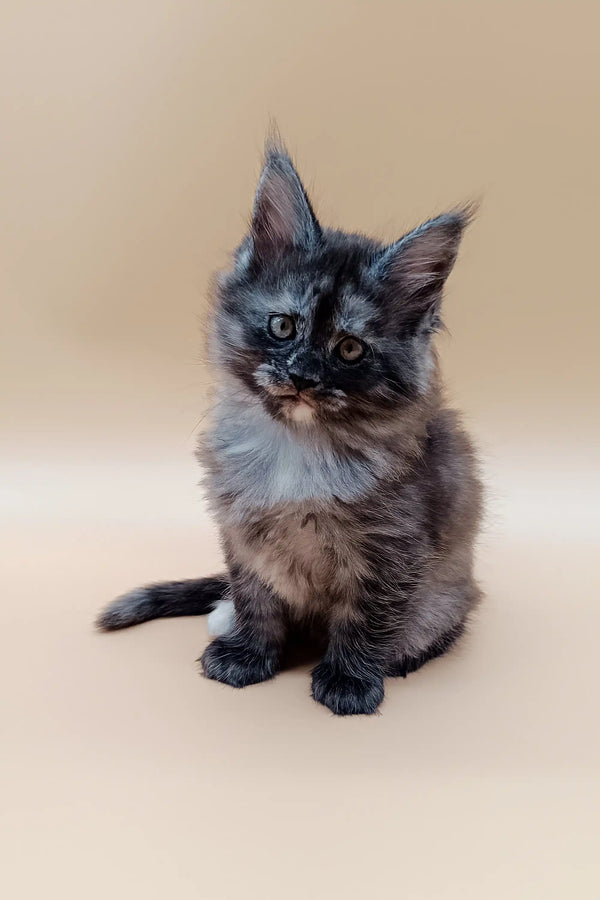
(350, 349)
(282, 327)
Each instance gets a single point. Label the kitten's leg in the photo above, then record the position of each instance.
(251, 651)
(407, 663)
(434, 618)
(349, 679)
(169, 598)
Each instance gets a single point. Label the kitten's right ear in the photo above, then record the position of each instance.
(283, 218)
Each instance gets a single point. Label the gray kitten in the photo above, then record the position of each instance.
(345, 492)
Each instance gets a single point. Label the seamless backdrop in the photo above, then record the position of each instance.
(131, 142)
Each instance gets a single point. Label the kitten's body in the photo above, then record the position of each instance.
(316, 541)
(352, 504)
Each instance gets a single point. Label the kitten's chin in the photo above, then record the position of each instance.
(299, 411)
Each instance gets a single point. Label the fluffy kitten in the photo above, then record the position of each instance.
(345, 492)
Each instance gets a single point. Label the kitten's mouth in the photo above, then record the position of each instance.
(297, 406)
(298, 399)
(301, 407)
(294, 398)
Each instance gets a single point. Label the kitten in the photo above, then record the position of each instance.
(345, 491)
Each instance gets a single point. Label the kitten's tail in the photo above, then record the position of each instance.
(194, 597)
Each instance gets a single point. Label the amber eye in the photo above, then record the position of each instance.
(282, 327)
(350, 349)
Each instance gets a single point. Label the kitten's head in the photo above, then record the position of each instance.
(324, 326)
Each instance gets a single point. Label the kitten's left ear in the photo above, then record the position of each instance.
(416, 267)
(283, 218)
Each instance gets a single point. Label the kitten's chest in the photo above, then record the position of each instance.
(308, 557)
(283, 506)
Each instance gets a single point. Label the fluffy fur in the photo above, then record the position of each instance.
(345, 492)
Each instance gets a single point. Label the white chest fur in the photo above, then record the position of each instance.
(263, 464)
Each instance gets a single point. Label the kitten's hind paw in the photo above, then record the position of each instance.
(346, 695)
(237, 664)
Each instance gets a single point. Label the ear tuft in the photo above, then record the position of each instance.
(283, 217)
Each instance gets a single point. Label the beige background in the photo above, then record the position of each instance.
(131, 138)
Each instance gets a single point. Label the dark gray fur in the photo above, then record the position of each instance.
(346, 493)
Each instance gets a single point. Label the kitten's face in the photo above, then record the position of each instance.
(322, 326)
(312, 336)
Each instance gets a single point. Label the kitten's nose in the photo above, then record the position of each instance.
(301, 383)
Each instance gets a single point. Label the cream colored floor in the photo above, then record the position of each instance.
(128, 775)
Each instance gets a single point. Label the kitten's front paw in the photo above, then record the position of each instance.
(237, 664)
(346, 695)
